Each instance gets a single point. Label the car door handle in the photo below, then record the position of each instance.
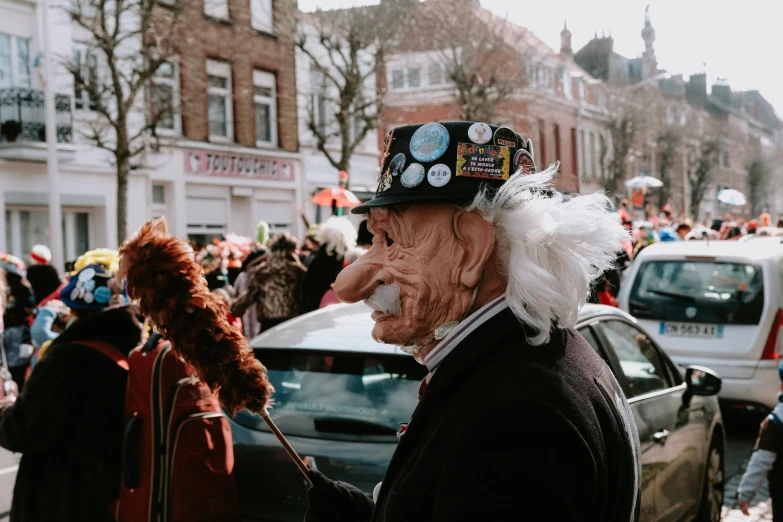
(660, 437)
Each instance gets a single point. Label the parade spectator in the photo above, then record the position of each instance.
(336, 236)
(276, 287)
(68, 422)
(779, 223)
(43, 277)
(762, 465)
(683, 229)
(18, 315)
(51, 320)
(765, 219)
(352, 255)
(751, 227)
(233, 320)
(310, 246)
(250, 325)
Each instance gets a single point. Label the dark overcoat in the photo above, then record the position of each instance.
(67, 424)
(508, 431)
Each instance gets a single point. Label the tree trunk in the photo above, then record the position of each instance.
(123, 171)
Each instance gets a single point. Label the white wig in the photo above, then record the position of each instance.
(338, 234)
(550, 248)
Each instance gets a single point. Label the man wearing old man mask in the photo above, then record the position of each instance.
(478, 268)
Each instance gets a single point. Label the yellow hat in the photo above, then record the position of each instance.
(110, 259)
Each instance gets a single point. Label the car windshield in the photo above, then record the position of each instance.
(698, 291)
(338, 395)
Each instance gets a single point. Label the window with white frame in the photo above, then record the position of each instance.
(414, 77)
(261, 15)
(265, 98)
(164, 91)
(85, 81)
(581, 88)
(318, 100)
(565, 78)
(398, 79)
(216, 9)
(436, 74)
(14, 61)
(219, 100)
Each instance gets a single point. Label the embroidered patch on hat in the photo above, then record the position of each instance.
(397, 164)
(429, 142)
(523, 162)
(506, 137)
(413, 175)
(439, 175)
(483, 161)
(480, 133)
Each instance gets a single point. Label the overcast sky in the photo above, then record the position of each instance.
(740, 41)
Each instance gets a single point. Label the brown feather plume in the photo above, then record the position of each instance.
(162, 273)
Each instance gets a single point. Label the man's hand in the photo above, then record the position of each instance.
(335, 501)
(744, 507)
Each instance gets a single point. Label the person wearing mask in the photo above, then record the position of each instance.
(68, 421)
(336, 236)
(276, 287)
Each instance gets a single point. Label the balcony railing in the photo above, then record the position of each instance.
(26, 107)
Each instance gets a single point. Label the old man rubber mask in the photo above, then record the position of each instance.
(431, 260)
(422, 272)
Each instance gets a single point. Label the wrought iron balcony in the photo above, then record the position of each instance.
(22, 117)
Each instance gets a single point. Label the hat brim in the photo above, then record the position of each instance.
(401, 199)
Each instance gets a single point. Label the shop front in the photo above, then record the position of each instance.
(207, 193)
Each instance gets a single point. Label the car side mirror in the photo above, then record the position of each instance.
(702, 381)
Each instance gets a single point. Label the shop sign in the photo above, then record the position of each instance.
(226, 164)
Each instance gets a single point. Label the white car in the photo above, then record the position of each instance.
(717, 304)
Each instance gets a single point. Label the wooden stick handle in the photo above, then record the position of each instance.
(287, 446)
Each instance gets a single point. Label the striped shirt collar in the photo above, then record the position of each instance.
(462, 330)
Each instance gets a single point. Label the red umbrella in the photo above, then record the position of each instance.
(336, 196)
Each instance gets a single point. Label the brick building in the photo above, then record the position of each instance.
(743, 123)
(555, 104)
(234, 147)
(229, 147)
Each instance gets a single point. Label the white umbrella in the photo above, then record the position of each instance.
(732, 197)
(641, 182)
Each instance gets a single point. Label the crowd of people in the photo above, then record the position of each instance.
(267, 280)
(264, 282)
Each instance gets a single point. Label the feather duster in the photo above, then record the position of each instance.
(163, 275)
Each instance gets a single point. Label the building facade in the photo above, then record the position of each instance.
(555, 105)
(228, 155)
(743, 124)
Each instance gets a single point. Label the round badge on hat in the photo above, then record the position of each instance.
(523, 162)
(397, 164)
(413, 175)
(506, 138)
(439, 175)
(429, 142)
(480, 133)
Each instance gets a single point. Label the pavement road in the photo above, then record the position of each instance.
(8, 466)
(741, 435)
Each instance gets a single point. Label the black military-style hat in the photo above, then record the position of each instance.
(447, 162)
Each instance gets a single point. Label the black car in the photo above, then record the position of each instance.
(341, 399)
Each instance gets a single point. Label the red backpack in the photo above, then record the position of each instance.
(177, 455)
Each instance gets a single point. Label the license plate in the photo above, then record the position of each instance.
(702, 331)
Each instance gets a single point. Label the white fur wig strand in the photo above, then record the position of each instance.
(338, 234)
(550, 250)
